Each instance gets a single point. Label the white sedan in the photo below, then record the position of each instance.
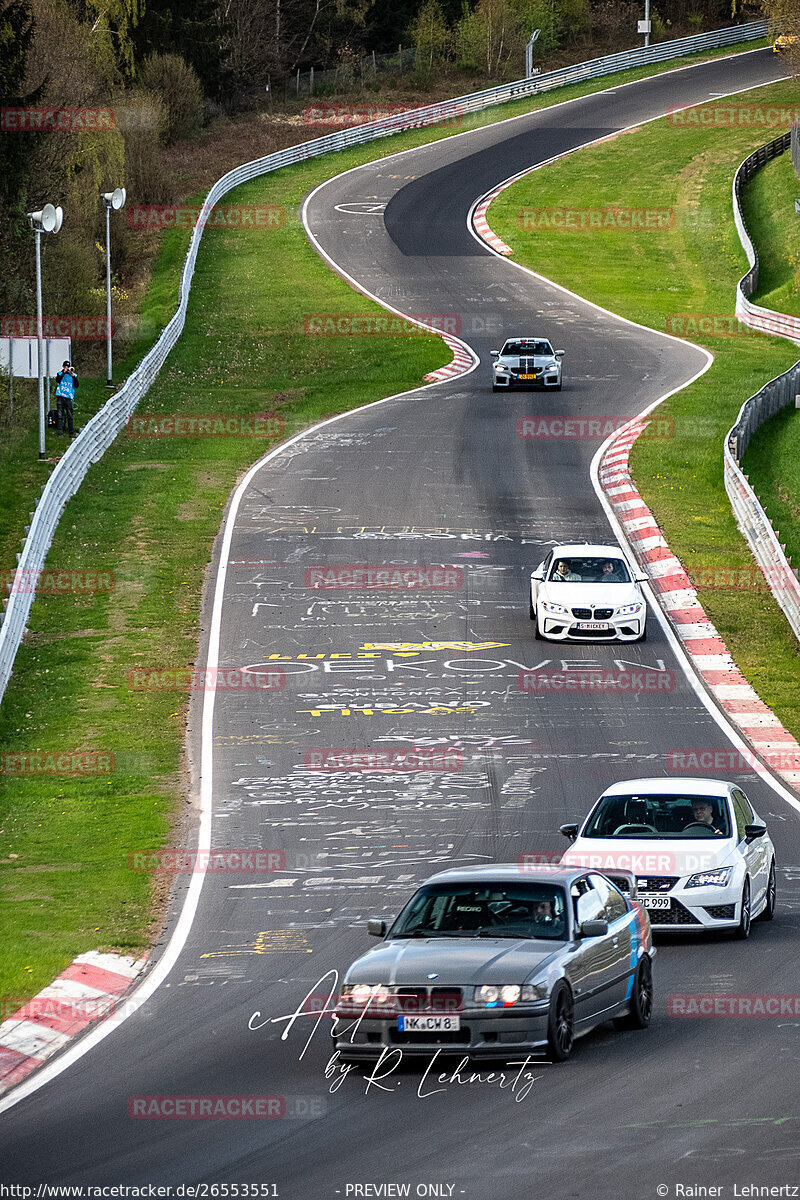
(528, 362)
(695, 852)
(585, 592)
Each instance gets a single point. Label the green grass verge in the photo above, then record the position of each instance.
(149, 512)
(648, 276)
(774, 227)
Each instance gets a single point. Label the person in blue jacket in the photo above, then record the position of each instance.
(66, 387)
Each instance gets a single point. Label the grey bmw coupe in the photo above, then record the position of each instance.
(497, 960)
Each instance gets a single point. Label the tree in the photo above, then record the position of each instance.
(487, 36)
(16, 38)
(192, 29)
(784, 21)
(429, 33)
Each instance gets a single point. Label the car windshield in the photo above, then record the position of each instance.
(589, 570)
(669, 816)
(526, 346)
(470, 910)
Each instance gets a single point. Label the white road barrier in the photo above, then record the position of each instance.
(754, 523)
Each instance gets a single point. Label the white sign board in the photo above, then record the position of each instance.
(19, 356)
(645, 27)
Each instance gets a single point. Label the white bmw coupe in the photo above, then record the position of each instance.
(585, 592)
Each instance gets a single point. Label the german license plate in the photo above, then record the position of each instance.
(428, 1024)
(534, 376)
(597, 626)
(653, 901)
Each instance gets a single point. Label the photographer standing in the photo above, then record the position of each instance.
(66, 387)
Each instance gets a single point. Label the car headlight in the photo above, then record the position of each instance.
(366, 993)
(548, 606)
(717, 878)
(497, 996)
(629, 608)
(534, 991)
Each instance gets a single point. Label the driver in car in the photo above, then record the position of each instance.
(703, 814)
(611, 572)
(545, 917)
(563, 574)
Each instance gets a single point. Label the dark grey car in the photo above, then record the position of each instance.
(494, 961)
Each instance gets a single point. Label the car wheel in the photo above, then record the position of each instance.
(743, 928)
(642, 636)
(557, 388)
(561, 1023)
(768, 911)
(641, 1009)
(531, 610)
(495, 388)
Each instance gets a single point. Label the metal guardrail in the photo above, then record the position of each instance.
(761, 537)
(92, 442)
(796, 149)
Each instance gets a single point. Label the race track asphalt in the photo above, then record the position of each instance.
(436, 477)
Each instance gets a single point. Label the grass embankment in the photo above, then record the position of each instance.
(149, 512)
(772, 461)
(648, 276)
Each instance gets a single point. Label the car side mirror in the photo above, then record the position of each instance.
(376, 928)
(570, 830)
(538, 574)
(751, 832)
(593, 929)
(560, 353)
(495, 353)
(641, 577)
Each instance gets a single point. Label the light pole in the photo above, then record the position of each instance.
(114, 200)
(47, 220)
(644, 26)
(529, 54)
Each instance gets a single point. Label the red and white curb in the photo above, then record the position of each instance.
(462, 361)
(701, 642)
(482, 225)
(86, 992)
